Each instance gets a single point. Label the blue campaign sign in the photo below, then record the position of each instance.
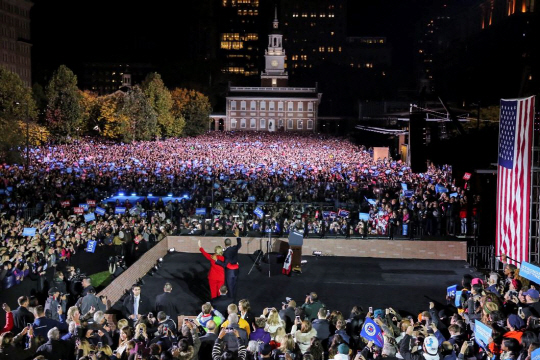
(100, 211)
(29, 232)
(84, 206)
(451, 291)
(363, 216)
(120, 210)
(343, 213)
(251, 198)
(535, 355)
(89, 217)
(404, 186)
(372, 201)
(227, 200)
(408, 193)
(372, 331)
(52, 236)
(482, 333)
(457, 300)
(529, 271)
(453, 195)
(91, 246)
(258, 211)
(200, 211)
(440, 189)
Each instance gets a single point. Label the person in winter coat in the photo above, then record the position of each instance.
(303, 335)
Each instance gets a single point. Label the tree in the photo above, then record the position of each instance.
(110, 119)
(194, 107)
(17, 107)
(142, 118)
(90, 110)
(160, 100)
(64, 113)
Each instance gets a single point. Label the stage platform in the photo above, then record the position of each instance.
(340, 282)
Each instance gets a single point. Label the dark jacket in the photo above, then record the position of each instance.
(144, 306)
(231, 254)
(43, 324)
(21, 317)
(207, 343)
(221, 303)
(169, 304)
(54, 350)
(323, 328)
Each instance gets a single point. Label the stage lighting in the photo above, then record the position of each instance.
(160, 260)
(133, 194)
(317, 253)
(185, 196)
(150, 194)
(169, 195)
(120, 194)
(171, 250)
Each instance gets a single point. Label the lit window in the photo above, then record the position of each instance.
(321, 48)
(330, 49)
(299, 124)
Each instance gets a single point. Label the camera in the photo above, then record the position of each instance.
(229, 330)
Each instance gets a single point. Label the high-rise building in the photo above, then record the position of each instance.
(15, 46)
(106, 78)
(239, 32)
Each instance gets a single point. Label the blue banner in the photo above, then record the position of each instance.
(91, 246)
(372, 332)
(216, 211)
(89, 217)
(482, 333)
(440, 189)
(343, 213)
(200, 211)
(363, 216)
(29, 232)
(451, 291)
(529, 271)
(258, 211)
(100, 211)
(535, 355)
(120, 210)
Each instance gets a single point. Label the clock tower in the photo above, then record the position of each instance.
(274, 74)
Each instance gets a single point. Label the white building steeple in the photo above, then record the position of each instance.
(275, 74)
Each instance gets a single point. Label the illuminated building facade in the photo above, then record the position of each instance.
(15, 46)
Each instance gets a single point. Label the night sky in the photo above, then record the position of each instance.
(70, 32)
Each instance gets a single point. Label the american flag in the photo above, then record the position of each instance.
(514, 178)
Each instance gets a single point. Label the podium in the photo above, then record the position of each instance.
(296, 240)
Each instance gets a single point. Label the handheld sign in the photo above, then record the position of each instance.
(482, 333)
(343, 213)
(120, 210)
(457, 300)
(535, 355)
(200, 211)
(78, 210)
(91, 246)
(89, 217)
(530, 271)
(451, 291)
(100, 211)
(29, 232)
(466, 176)
(258, 211)
(91, 202)
(372, 331)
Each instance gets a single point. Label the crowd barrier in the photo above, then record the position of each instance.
(392, 249)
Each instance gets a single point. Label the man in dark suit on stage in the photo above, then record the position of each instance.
(231, 264)
(221, 302)
(167, 303)
(135, 305)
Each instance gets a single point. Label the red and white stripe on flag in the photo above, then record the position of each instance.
(514, 178)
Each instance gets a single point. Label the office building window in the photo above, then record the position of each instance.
(300, 106)
(280, 123)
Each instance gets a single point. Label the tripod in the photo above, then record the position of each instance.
(260, 255)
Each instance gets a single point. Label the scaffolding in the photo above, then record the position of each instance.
(534, 228)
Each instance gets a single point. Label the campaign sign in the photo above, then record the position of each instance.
(258, 211)
(78, 210)
(91, 246)
(65, 203)
(216, 211)
(466, 176)
(535, 355)
(453, 194)
(227, 200)
(529, 271)
(200, 211)
(451, 291)
(251, 198)
(482, 333)
(408, 193)
(84, 206)
(363, 216)
(29, 232)
(119, 210)
(91, 202)
(89, 217)
(404, 186)
(457, 300)
(372, 331)
(100, 211)
(343, 213)
(52, 236)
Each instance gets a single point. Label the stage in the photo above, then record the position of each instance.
(341, 282)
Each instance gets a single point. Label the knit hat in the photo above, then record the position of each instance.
(489, 307)
(516, 322)
(343, 349)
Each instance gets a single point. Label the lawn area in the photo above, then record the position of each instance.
(101, 279)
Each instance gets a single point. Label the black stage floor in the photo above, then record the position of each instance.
(341, 282)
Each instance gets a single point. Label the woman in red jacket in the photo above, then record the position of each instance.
(216, 275)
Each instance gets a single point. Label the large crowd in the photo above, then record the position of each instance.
(246, 182)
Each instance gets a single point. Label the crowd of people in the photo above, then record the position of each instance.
(505, 303)
(245, 182)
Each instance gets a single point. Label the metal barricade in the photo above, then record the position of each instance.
(481, 257)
